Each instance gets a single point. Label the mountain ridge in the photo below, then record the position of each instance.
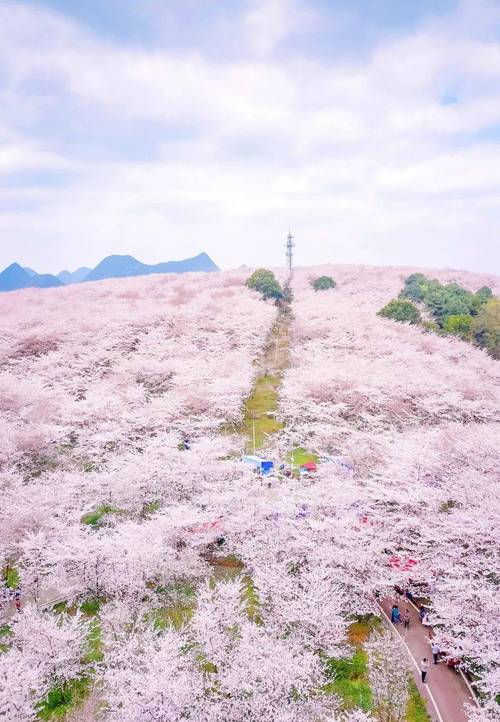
(15, 277)
(70, 277)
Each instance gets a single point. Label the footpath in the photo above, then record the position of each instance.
(445, 691)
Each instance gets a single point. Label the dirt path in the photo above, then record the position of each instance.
(445, 691)
(260, 423)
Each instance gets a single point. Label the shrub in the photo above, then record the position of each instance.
(450, 300)
(323, 283)
(459, 325)
(415, 287)
(486, 327)
(481, 297)
(484, 294)
(443, 301)
(430, 326)
(401, 310)
(266, 283)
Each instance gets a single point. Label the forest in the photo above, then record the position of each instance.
(157, 577)
(450, 309)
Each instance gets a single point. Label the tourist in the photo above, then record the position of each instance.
(435, 652)
(395, 614)
(424, 666)
(409, 595)
(406, 618)
(421, 612)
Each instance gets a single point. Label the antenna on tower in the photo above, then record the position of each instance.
(289, 251)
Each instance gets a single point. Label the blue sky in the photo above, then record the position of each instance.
(163, 128)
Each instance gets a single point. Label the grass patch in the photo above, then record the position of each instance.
(360, 630)
(300, 456)
(59, 607)
(11, 577)
(95, 646)
(252, 601)
(177, 608)
(62, 699)
(187, 589)
(96, 518)
(260, 409)
(349, 676)
(175, 616)
(150, 507)
(91, 606)
(349, 680)
(5, 633)
(416, 706)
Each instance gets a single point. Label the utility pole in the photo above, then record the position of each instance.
(289, 251)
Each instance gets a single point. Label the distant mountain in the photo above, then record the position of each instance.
(117, 267)
(202, 263)
(76, 277)
(123, 266)
(14, 277)
(45, 280)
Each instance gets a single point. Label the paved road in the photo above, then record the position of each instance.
(446, 691)
(48, 598)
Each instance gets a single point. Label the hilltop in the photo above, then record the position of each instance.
(15, 277)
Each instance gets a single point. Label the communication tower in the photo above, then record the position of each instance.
(289, 251)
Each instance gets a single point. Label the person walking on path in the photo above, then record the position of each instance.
(435, 652)
(406, 619)
(395, 614)
(424, 667)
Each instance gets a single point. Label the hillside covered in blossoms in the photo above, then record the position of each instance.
(150, 574)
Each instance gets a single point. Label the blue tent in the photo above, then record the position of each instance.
(265, 467)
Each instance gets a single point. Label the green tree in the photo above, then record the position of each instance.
(459, 325)
(486, 327)
(449, 300)
(260, 278)
(266, 283)
(484, 293)
(481, 296)
(401, 310)
(415, 286)
(323, 283)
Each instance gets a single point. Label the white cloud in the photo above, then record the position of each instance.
(269, 22)
(364, 154)
(18, 158)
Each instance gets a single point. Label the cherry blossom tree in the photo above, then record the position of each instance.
(45, 652)
(389, 676)
(120, 479)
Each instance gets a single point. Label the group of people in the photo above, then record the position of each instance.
(10, 595)
(396, 616)
(397, 619)
(424, 616)
(424, 664)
